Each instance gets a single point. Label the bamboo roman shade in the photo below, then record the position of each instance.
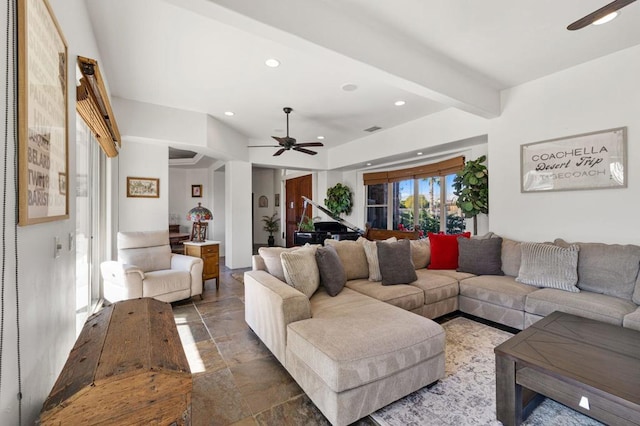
(442, 168)
(92, 103)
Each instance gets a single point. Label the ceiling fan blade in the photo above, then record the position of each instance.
(279, 152)
(263, 146)
(280, 140)
(310, 144)
(306, 151)
(600, 13)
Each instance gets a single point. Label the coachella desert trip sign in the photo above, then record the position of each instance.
(589, 161)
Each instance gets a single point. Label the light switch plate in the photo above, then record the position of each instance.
(57, 247)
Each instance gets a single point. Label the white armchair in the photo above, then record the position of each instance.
(147, 268)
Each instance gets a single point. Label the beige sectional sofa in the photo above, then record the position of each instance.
(366, 347)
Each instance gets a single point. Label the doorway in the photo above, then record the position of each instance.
(294, 190)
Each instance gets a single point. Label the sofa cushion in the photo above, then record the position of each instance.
(585, 304)
(420, 253)
(402, 295)
(349, 345)
(436, 287)
(511, 256)
(498, 290)
(632, 320)
(332, 275)
(272, 261)
(444, 250)
(371, 252)
(155, 258)
(352, 256)
(452, 273)
(395, 262)
(610, 269)
(301, 270)
(157, 283)
(547, 265)
(480, 256)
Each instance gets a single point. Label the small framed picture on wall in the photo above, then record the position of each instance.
(196, 191)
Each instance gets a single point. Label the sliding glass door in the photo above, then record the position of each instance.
(87, 235)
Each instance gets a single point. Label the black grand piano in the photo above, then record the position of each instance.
(338, 230)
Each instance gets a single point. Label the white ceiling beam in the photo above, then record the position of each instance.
(325, 28)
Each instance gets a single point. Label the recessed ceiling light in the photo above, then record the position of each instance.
(349, 87)
(272, 63)
(368, 164)
(399, 103)
(229, 113)
(419, 153)
(607, 18)
(320, 137)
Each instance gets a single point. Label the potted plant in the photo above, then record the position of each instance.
(271, 225)
(471, 185)
(306, 224)
(339, 199)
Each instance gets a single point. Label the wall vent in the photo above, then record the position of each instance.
(372, 129)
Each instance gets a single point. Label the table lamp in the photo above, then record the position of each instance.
(197, 215)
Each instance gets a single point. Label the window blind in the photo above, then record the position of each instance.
(441, 168)
(92, 103)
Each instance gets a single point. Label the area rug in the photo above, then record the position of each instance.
(238, 276)
(466, 396)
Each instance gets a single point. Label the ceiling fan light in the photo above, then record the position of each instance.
(607, 18)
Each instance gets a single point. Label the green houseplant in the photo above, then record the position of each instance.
(339, 199)
(471, 185)
(271, 225)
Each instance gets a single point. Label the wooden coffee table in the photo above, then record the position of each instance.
(584, 364)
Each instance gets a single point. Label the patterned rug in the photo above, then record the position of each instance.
(466, 396)
(238, 276)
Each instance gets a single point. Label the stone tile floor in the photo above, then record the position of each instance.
(236, 379)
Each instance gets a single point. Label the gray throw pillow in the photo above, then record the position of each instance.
(332, 274)
(547, 265)
(480, 256)
(395, 262)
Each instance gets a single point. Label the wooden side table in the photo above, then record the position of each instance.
(209, 252)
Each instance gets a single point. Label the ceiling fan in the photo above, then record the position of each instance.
(286, 143)
(599, 14)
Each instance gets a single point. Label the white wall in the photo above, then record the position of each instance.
(443, 127)
(144, 160)
(180, 199)
(598, 95)
(262, 184)
(238, 214)
(46, 285)
(219, 209)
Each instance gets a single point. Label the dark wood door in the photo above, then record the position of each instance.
(294, 190)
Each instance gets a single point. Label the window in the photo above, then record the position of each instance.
(377, 205)
(87, 222)
(423, 202)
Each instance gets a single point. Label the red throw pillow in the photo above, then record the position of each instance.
(444, 250)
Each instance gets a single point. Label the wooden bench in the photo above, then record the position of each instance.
(382, 234)
(127, 367)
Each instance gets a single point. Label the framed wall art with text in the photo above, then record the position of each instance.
(595, 160)
(43, 123)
